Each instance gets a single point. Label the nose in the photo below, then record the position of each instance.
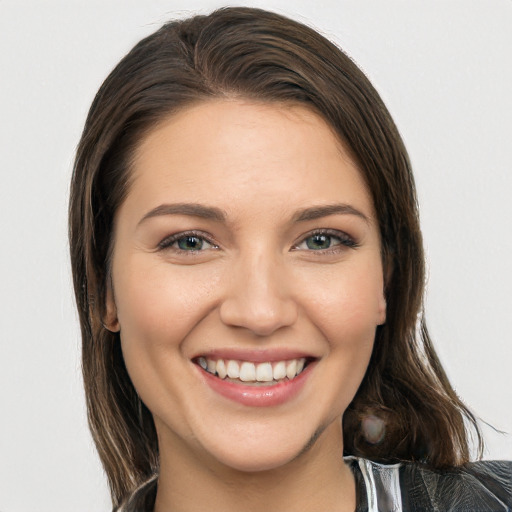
(258, 296)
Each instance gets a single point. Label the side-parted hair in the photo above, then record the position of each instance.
(262, 56)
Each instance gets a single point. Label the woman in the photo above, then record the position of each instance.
(249, 274)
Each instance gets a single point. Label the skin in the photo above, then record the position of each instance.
(257, 284)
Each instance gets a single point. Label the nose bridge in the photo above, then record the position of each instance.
(259, 295)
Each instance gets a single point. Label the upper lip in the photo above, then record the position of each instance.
(255, 355)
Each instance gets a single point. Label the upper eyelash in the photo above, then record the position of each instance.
(167, 242)
(345, 239)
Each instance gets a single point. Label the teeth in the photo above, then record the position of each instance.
(233, 370)
(221, 369)
(264, 372)
(250, 372)
(291, 369)
(247, 372)
(280, 370)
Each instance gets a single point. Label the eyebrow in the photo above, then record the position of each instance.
(192, 209)
(317, 212)
(216, 214)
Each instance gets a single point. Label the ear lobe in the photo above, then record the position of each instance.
(381, 311)
(110, 321)
(388, 272)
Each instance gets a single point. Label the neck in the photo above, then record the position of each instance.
(317, 479)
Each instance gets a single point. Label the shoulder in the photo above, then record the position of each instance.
(485, 486)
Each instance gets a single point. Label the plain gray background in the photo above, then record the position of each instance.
(444, 70)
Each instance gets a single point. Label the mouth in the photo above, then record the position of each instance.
(269, 373)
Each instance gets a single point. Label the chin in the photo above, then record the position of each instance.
(265, 460)
(263, 449)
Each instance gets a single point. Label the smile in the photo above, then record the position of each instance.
(265, 373)
(256, 383)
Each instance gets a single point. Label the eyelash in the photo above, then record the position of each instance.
(167, 243)
(343, 238)
(345, 241)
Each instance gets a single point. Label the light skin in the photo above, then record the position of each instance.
(247, 228)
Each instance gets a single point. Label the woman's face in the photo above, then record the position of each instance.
(247, 244)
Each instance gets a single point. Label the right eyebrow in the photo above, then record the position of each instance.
(191, 209)
(317, 212)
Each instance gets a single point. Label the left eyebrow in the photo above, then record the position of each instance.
(317, 212)
(190, 209)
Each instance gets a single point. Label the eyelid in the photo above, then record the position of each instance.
(346, 240)
(168, 241)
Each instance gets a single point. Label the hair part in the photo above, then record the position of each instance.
(258, 55)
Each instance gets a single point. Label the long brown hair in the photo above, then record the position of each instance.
(256, 54)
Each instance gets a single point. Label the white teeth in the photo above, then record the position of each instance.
(251, 372)
(264, 372)
(221, 369)
(233, 370)
(212, 365)
(247, 372)
(291, 369)
(279, 370)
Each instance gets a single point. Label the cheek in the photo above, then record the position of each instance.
(159, 305)
(347, 303)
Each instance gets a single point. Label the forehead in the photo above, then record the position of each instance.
(234, 150)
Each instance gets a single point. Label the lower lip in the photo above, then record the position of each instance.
(258, 396)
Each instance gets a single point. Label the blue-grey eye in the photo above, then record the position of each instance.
(319, 242)
(325, 240)
(186, 242)
(191, 243)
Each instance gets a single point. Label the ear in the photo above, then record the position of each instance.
(110, 321)
(387, 274)
(381, 309)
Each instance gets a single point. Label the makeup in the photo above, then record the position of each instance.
(253, 393)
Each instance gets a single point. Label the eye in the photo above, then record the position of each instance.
(320, 242)
(192, 243)
(325, 240)
(186, 242)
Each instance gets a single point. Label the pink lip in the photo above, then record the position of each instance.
(257, 396)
